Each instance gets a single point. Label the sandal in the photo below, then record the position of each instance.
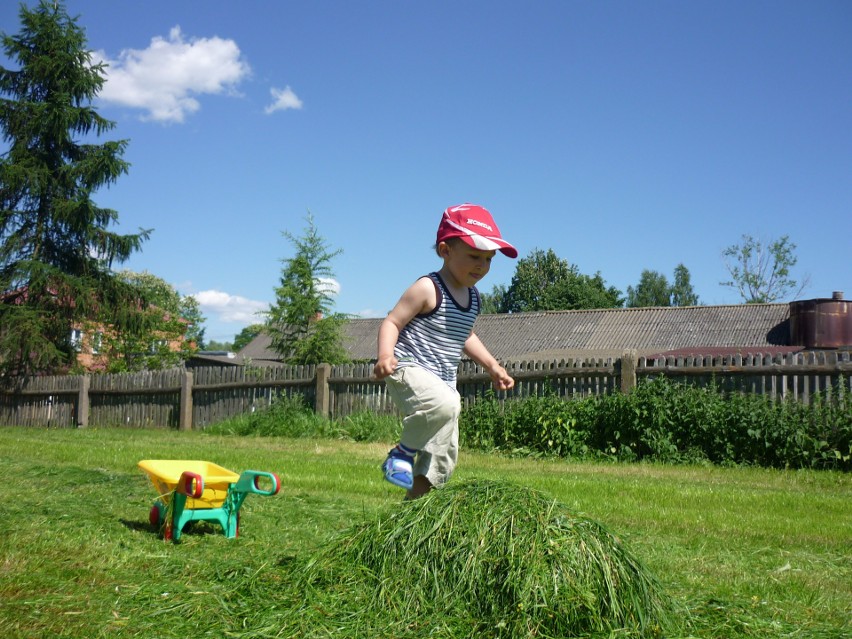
(398, 471)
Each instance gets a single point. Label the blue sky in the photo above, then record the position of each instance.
(622, 135)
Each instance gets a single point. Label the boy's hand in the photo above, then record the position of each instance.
(385, 366)
(501, 379)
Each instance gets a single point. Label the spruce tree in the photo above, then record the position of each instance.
(300, 324)
(56, 249)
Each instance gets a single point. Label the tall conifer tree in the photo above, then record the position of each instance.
(300, 324)
(56, 249)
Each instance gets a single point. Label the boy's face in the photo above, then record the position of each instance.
(466, 264)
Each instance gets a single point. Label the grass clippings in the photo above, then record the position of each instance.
(483, 558)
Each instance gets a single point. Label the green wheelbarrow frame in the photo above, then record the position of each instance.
(188, 497)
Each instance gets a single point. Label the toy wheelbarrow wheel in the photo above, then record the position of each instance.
(155, 517)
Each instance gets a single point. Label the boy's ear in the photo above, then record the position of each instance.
(443, 249)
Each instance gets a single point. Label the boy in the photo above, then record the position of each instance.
(420, 344)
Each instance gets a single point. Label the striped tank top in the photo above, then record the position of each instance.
(435, 340)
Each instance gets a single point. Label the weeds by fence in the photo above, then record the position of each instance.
(180, 398)
(673, 422)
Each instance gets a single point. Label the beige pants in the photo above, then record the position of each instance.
(430, 421)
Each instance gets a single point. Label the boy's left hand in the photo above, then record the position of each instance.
(500, 379)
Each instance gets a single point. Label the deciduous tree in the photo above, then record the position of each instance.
(214, 345)
(760, 271)
(682, 293)
(246, 335)
(173, 328)
(545, 282)
(654, 290)
(492, 302)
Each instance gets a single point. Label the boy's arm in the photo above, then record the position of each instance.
(418, 298)
(385, 360)
(475, 349)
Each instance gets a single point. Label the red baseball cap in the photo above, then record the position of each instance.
(475, 226)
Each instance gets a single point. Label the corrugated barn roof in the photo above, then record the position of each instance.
(612, 331)
(603, 333)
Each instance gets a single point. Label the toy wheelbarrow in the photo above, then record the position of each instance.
(192, 490)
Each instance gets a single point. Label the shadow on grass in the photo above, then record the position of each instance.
(138, 526)
(192, 528)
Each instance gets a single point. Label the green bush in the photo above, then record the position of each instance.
(292, 416)
(538, 425)
(671, 422)
(286, 416)
(660, 420)
(818, 435)
(365, 426)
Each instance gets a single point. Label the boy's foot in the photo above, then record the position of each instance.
(398, 470)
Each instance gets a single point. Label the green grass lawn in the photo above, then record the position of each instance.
(744, 552)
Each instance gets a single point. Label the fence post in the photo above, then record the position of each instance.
(322, 392)
(185, 401)
(628, 371)
(83, 402)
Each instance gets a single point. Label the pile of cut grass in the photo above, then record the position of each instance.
(482, 558)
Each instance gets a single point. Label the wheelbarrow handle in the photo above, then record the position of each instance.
(249, 482)
(191, 484)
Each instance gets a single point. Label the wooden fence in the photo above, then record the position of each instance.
(186, 399)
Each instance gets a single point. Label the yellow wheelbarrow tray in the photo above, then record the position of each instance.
(194, 490)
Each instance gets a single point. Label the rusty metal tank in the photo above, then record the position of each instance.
(821, 323)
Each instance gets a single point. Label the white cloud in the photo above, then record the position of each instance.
(231, 309)
(328, 285)
(220, 309)
(165, 78)
(368, 313)
(283, 99)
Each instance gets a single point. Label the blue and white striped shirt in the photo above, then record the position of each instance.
(435, 340)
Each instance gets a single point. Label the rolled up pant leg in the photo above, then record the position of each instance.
(431, 410)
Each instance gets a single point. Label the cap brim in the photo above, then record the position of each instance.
(484, 243)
